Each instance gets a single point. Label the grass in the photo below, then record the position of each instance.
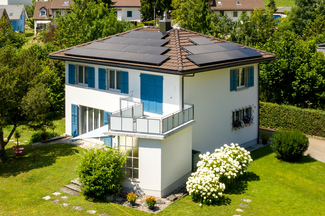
(281, 3)
(275, 187)
(29, 37)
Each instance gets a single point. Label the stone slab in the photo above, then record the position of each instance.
(104, 215)
(240, 210)
(56, 200)
(76, 182)
(56, 193)
(246, 200)
(69, 191)
(243, 205)
(91, 211)
(78, 208)
(73, 187)
(64, 197)
(46, 197)
(65, 204)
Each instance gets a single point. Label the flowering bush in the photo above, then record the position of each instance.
(216, 171)
(150, 201)
(131, 197)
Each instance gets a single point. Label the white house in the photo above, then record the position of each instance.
(159, 95)
(16, 2)
(128, 10)
(234, 8)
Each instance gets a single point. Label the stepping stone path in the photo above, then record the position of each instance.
(65, 204)
(46, 197)
(72, 188)
(56, 193)
(240, 210)
(242, 205)
(78, 208)
(64, 197)
(56, 200)
(246, 200)
(104, 215)
(91, 211)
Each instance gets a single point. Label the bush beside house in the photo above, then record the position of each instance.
(309, 121)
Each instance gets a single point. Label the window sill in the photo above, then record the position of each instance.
(85, 86)
(135, 180)
(242, 88)
(245, 125)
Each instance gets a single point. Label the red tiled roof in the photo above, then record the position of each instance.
(231, 5)
(127, 3)
(177, 62)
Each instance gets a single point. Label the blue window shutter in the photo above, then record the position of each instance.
(124, 82)
(159, 93)
(74, 120)
(108, 141)
(233, 80)
(101, 78)
(106, 117)
(144, 91)
(72, 72)
(91, 77)
(251, 76)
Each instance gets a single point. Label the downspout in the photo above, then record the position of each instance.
(191, 75)
(258, 103)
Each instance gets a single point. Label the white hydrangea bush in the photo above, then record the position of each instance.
(216, 170)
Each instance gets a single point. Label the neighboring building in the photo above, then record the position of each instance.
(281, 11)
(46, 10)
(17, 16)
(128, 10)
(16, 2)
(158, 96)
(321, 48)
(234, 8)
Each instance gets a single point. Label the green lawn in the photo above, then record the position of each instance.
(275, 187)
(281, 3)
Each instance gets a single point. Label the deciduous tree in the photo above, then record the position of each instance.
(161, 6)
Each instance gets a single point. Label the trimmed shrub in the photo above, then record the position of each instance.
(38, 136)
(216, 171)
(289, 145)
(100, 171)
(309, 121)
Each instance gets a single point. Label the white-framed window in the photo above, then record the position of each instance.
(130, 146)
(242, 77)
(82, 75)
(65, 3)
(129, 14)
(43, 12)
(113, 80)
(235, 14)
(242, 117)
(90, 119)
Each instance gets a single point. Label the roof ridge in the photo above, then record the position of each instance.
(178, 49)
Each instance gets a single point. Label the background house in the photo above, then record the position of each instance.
(46, 10)
(16, 2)
(234, 8)
(17, 16)
(158, 95)
(128, 10)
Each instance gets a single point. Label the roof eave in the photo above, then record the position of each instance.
(159, 70)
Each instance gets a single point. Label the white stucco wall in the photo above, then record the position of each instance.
(109, 100)
(230, 14)
(176, 157)
(213, 106)
(3, 2)
(122, 14)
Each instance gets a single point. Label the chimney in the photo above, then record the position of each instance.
(165, 24)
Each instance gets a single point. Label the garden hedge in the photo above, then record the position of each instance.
(308, 121)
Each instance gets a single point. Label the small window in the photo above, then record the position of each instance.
(242, 117)
(83, 75)
(238, 3)
(66, 3)
(129, 13)
(242, 77)
(222, 13)
(219, 3)
(43, 12)
(114, 80)
(11, 14)
(130, 146)
(235, 14)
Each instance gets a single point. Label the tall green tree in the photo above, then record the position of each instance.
(272, 6)
(87, 21)
(23, 93)
(30, 9)
(8, 36)
(161, 6)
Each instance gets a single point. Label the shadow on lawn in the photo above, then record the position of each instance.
(45, 156)
(241, 184)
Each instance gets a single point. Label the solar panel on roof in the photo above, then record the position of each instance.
(234, 54)
(200, 40)
(229, 46)
(115, 40)
(153, 42)
(251, 53)
(145, 35)
(154, 59)
(200, 59)
(209, 48)
(154, 50)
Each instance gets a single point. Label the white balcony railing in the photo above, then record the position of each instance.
(131, 119)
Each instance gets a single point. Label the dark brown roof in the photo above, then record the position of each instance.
(177, 62)
(127, 3)
(38, 6)
(59, 4)
(232, 5)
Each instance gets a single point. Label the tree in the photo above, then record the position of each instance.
(108, 3)
(161, 6)
(271, 6)
(30, 9)
(87, 21)
(8, 36)
(23, 92)
(196, 15)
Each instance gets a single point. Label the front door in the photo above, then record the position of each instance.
(152, 93)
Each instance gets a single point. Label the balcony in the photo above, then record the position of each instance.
(131, 118)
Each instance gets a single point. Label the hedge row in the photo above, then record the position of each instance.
(308, 121)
